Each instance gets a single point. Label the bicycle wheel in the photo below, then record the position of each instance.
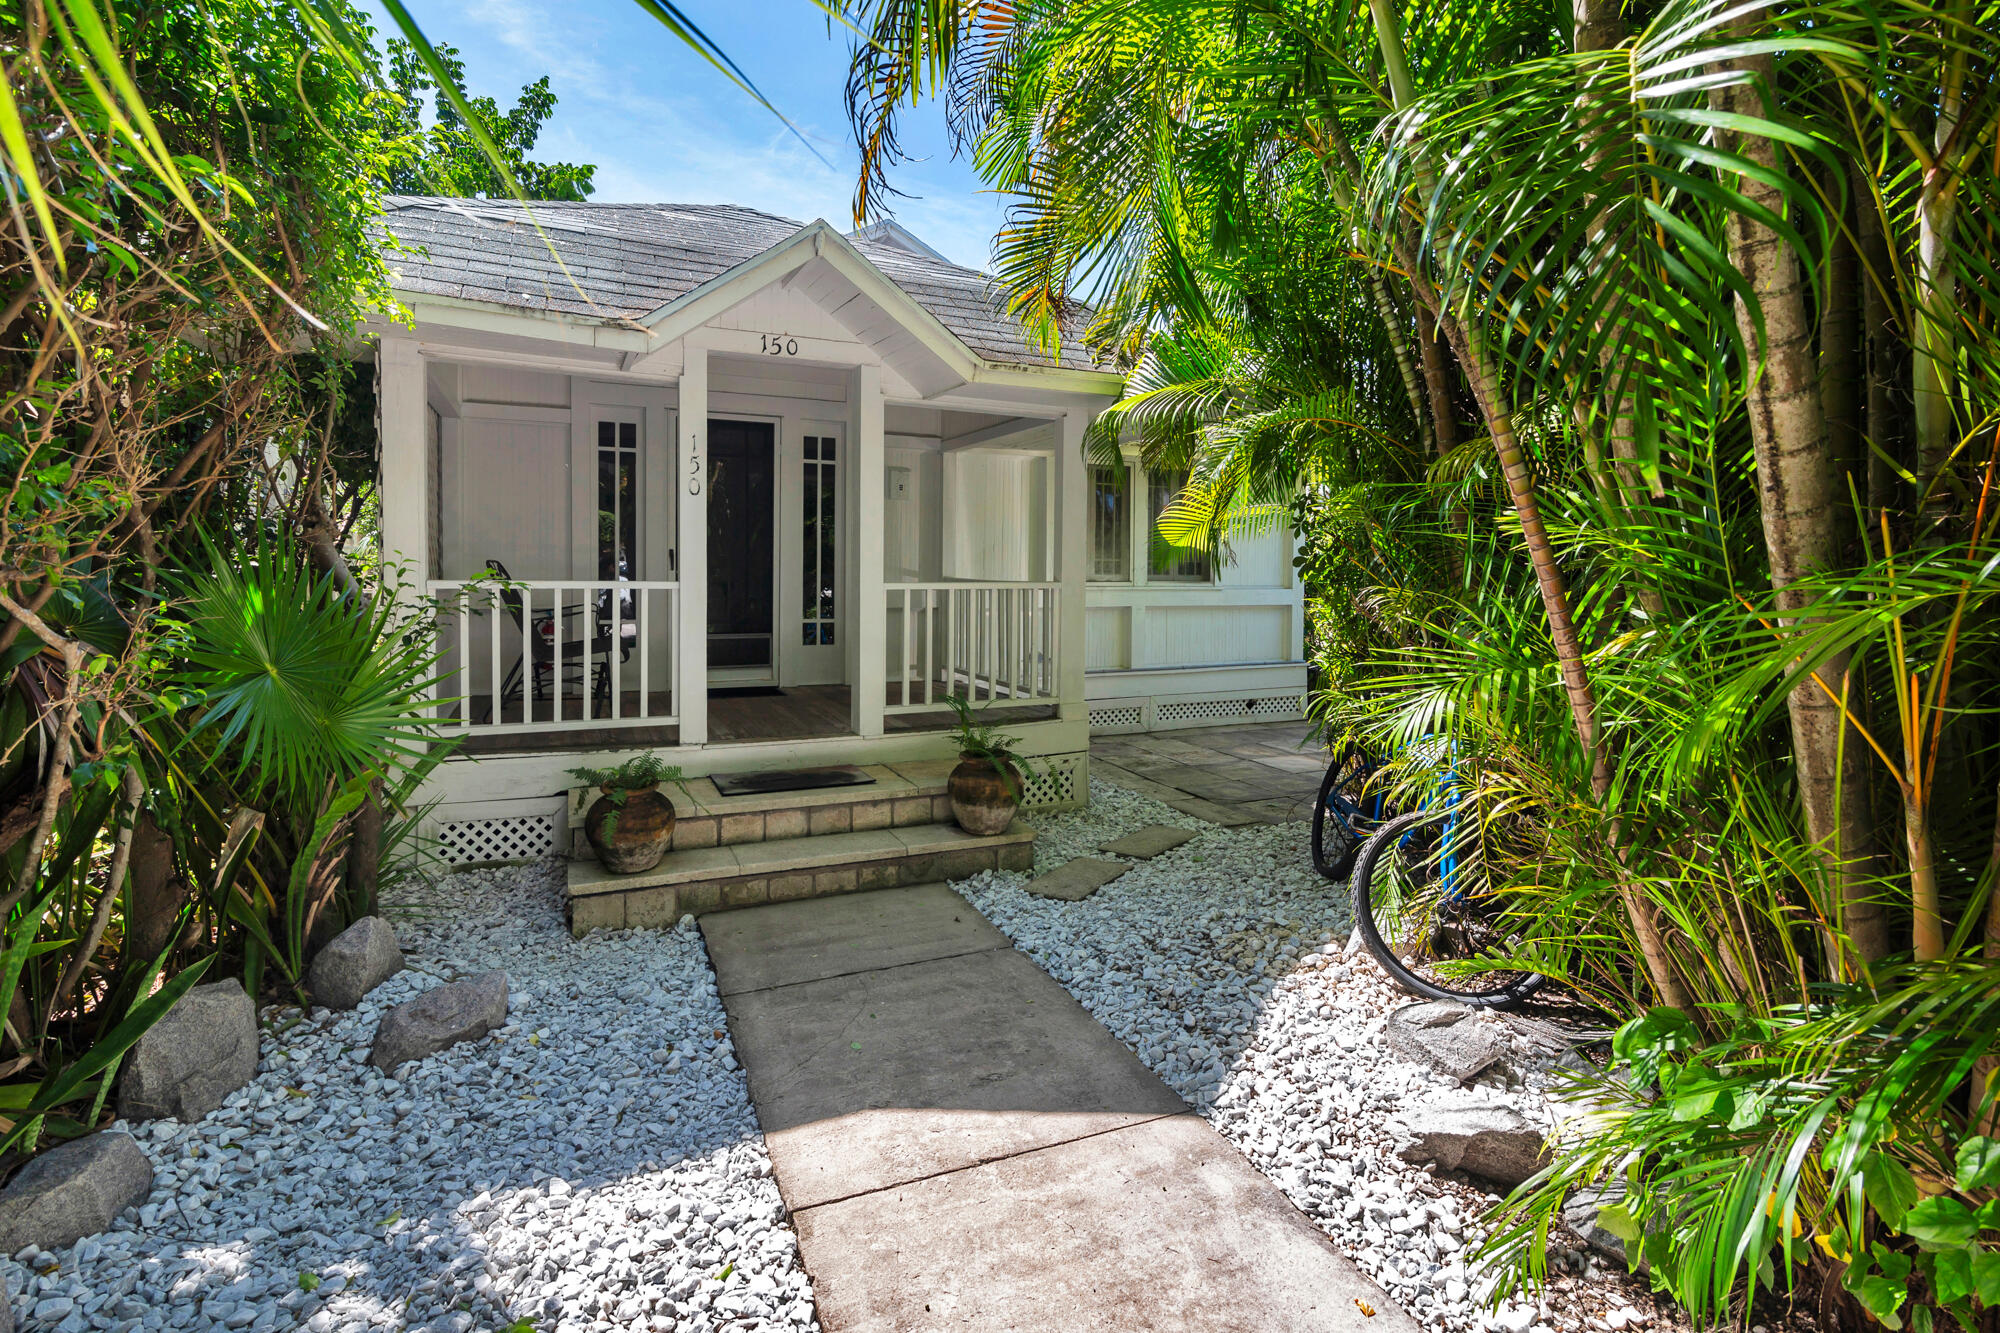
(1344, 813)
(1431, 929)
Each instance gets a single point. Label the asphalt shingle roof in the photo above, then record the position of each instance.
(630, 259)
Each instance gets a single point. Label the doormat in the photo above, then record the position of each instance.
(795, 779)
(744, 692)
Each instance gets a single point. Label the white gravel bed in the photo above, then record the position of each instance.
(1225, 965)
(593, 1165)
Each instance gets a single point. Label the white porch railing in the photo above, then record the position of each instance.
(555, 655)
(995, 643)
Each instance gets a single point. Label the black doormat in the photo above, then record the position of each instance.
(795, 779)
(744, 692)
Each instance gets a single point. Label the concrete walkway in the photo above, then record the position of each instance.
(963, 1147)
(1261, 773)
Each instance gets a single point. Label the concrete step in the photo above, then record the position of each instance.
(708, 879)
(901, 796)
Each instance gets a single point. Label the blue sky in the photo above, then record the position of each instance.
(663, 126)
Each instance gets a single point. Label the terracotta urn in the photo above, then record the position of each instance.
(629, 830)
(982, 798)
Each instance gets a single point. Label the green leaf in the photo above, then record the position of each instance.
(1985, 1269)
(1978, 1163)
(1951, 1275)
(1940, 1221)
(1890, 1188)
(1617, 1219)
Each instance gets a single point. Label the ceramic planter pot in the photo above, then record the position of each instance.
(629, 835)
(981, 799)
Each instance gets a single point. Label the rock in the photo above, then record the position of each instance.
(6, 1308)
(203, 1050)
(1580, 1214)
(452, 1013)
(73, 1191)
(1496, 1143)
(1447, 1037)
(358, 960)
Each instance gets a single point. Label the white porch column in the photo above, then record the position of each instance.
(403, 402)
(691, 541)
(1071, 484)
(868, 673)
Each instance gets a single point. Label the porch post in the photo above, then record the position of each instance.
(404, 407)
(1072, 491)
(868, 675)
(691, 541)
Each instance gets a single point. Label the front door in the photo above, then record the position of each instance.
(742, 526)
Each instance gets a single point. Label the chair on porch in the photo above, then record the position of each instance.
(609, 630)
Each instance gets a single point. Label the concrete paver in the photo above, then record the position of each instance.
(1146, 843)
(1076, 879)
(1160, 1226)
(885, 1077)
(786, 943)
(963, 1146)
(1260, 773)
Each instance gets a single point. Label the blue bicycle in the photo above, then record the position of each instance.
(1422, 903)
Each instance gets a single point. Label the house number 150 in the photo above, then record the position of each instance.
(694, 468)
(778, 344)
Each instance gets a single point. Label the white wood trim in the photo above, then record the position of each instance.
(868, 619)
(691, 538)
(1070, 484)
(403, 400)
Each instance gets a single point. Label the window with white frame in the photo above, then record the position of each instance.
(821, 566)
(1172, 564)
(617, 500)
(1110, 523)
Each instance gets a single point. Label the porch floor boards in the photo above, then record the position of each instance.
(801, 712)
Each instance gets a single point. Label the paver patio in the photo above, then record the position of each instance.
(1258, 773)
(962, 1146)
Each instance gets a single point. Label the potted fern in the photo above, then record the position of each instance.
(985, 788)
(631, 823)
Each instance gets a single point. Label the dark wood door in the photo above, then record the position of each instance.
(742, 532)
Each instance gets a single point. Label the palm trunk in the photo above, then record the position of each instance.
(1931, 340)
(1473, 355)
(1399, 343)
(1801, 510)
(1878, 353)
(1437, 381)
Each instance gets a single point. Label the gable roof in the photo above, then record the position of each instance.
(632, 259)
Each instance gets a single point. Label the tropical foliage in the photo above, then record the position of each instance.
(210, 724)
(1629, 372)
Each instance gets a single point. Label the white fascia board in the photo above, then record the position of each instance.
(1055, 379)
(542, 325)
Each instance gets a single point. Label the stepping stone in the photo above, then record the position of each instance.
(1078, 879)
(1146, 843)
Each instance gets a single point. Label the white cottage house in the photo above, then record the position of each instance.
(758, 496)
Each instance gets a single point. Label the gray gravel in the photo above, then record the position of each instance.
(1225, 965)
(594, 1164)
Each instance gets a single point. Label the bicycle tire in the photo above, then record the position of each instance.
(1335, 843)
(1367, 864)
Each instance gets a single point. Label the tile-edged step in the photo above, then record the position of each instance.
(902, 795)
(705, 879)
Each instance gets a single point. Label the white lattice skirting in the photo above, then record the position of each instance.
(1159, 714)
(1053, 784)
(510, 838)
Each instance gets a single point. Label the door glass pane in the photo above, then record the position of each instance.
(741, 493)
(818, 548)
(617, 500)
